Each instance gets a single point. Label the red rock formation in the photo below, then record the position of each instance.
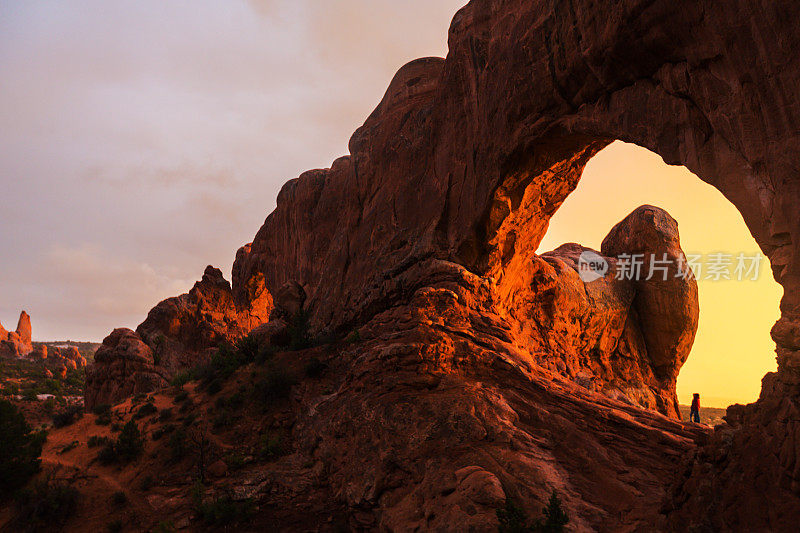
(182, 330)
(17, 343)
(74, 354)
(39, 352)
(123, 367)
(456, 174)
(179, 333)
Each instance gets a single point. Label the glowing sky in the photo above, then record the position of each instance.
(141, 141)
(733, 349)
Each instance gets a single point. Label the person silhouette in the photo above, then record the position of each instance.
(694, 414)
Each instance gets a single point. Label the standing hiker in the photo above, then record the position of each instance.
(694, 414)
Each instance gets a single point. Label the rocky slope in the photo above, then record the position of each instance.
(423, 240)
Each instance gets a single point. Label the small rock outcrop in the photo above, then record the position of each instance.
(17, 343)
(123, 366)
(179, 333)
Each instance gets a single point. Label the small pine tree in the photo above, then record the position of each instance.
(130, 443)
(555, 518)
(20, 448)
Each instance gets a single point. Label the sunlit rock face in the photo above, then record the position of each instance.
(18, 343)
(424, 238)
(179, 333)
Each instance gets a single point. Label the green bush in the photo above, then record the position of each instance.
(220, 511)
(20, 449)
(145, 410)
(181, 378)
(247, 349)
(147, 483)
(45, 507)
(315, 368)
(102, 409)
(276, 384)
(68, 416)
(119, 498)
(271, 446)
(512, 518)
(128, 446)
(95, 441)
(177, 445)
(163, 430)
(130, 443)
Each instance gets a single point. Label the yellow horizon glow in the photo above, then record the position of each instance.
(733, 349)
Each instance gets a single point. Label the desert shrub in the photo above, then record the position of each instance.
(119, 498)
(271, 446)
(139, 398)
(49, 406)
(29, 395)
(555, 518)
(235, 460)
(314, 368)
(181, 397)
(130, 443)
(128, 446)
(189, 419)
(214, 387)
(181, 378)
(102, 409)
(145, 410)
(247, 349)
(276, 384)
(165, 415)
(166, 429)
(46, 506)
(68, 416)
(354, 337)
(222, 510)
(68, 447)
(512, 518)
(223, 419)
(265, 353)
(116, 427)
(20, 449)
(222, 365)
(177, 445)
(95, 441)
(147, 483)
(103, 419)
(298, 331)
(165, 526)
(233, 402)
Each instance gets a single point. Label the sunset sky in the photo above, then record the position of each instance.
(140, 143)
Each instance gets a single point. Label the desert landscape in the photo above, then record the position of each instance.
(393, 352)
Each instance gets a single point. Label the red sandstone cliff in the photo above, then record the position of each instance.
(424, 237)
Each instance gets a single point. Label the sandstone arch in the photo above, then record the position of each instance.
(462, 151)
(451, 181)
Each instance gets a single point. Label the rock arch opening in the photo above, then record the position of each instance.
(553, 311)
(732, 350)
